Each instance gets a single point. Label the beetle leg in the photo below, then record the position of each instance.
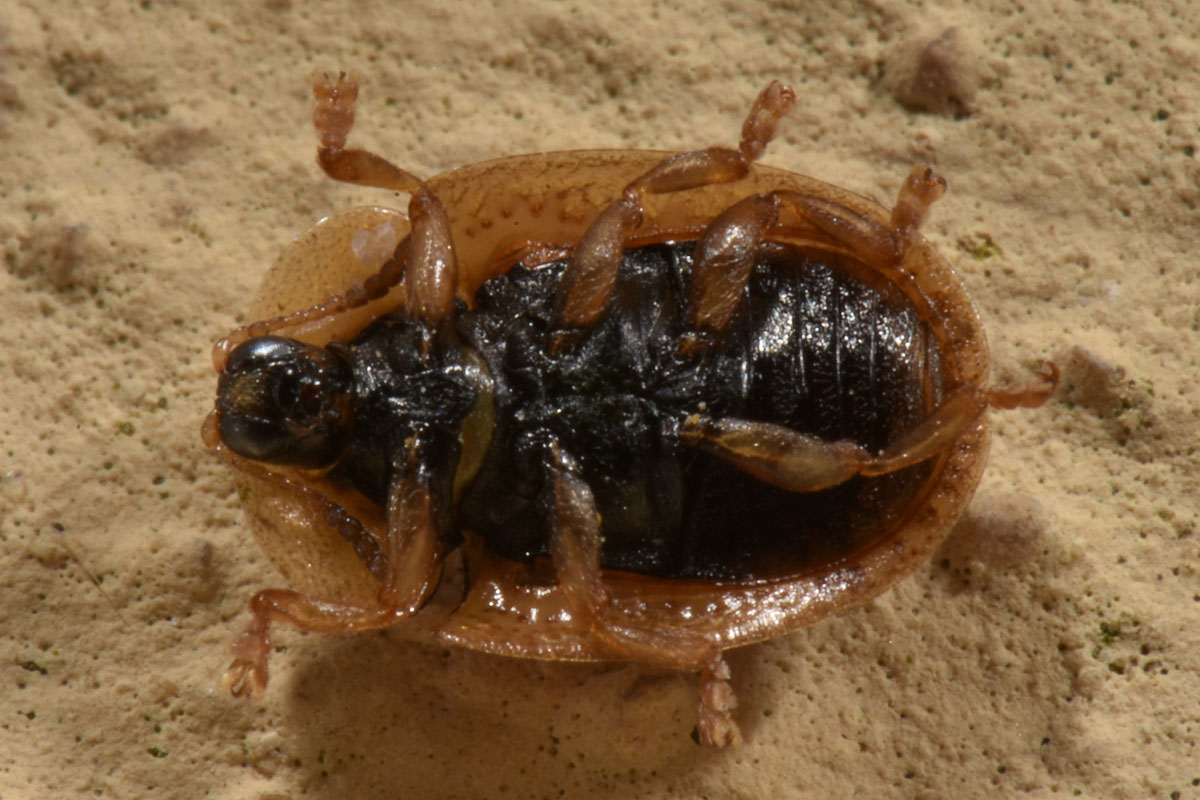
(726, 252)
(589, 278)
(575, 536)
(840, 225)
(862, 236)
(575, 541)
(431, 273)
(775, 454)
(723, 262)
(955, 415)
(413, 550)
(920, 190)
(425, 259)
(844, 227)
(431, 276)
(1029, 395)
(798, 462)
(414, 563)
(333, 117)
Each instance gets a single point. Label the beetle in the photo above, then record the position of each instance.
(601, 405)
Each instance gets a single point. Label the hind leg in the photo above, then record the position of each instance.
(726, 253)
(798, 462)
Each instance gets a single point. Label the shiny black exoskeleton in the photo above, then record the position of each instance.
(814, 347)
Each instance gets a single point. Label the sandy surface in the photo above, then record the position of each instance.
(155, 156)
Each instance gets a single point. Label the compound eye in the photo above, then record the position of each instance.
(285, 402)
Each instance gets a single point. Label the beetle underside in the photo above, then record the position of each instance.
(812, 348)
(612, 504)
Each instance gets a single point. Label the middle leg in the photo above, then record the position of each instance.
(575, 542)
(589, 279)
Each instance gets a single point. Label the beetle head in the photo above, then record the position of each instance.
(285, 402)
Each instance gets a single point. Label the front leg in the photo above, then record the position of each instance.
(413, 568)
(430, 267)
(575, 544)
(424, 260)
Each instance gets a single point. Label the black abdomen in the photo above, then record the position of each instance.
(818, 346)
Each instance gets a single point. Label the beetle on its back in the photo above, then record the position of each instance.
(696, 425)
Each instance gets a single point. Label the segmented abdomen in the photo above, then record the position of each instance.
(819, 345)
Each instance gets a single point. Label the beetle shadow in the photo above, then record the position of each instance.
(375, 715)
(1000, 531)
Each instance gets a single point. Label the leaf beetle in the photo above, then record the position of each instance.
(596, 405)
